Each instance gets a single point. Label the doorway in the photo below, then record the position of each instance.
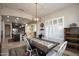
(7, 30)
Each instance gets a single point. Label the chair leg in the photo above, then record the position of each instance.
(35, 51)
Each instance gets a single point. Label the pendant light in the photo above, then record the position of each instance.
(36, 16)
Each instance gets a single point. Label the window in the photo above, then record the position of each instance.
(48, 28)
(60, 20)
(54, 28)
(55, 21)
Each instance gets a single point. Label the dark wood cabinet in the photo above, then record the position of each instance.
(72, 36)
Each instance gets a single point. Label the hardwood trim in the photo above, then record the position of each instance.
(71, 32)
(74, 50)
(75, 44)
(71, 38)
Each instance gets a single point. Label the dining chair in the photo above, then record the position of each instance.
(31, 51)
(58, 52)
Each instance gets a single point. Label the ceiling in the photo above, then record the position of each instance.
(14, 19)
(43, 9)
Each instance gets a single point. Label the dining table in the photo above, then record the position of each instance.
(43, 45)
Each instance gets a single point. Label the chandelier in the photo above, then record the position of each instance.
(36, 15)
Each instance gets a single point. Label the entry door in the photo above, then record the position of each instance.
(7, 30)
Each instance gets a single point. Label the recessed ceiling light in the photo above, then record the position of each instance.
(17, 18)
(8, 16)
(36, 19)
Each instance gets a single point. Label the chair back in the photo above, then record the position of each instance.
(32, 52)
(62, 49)
(27, 43)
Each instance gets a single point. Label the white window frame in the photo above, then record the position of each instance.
(54, 25)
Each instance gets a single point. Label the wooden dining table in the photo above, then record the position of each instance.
(43, 45)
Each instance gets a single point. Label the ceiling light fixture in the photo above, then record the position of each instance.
(17, 18)
(8, 16)
(8, 19)
(36, 16)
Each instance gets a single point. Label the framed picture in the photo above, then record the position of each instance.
(42, 25)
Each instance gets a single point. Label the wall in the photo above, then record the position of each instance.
(0, 28)
(38, 25)
(70, 13)
(3, 31)
(30, 29)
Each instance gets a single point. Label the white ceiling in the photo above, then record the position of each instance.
(43, 9)
(12, 19)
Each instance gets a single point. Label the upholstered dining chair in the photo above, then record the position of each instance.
(58, 52)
